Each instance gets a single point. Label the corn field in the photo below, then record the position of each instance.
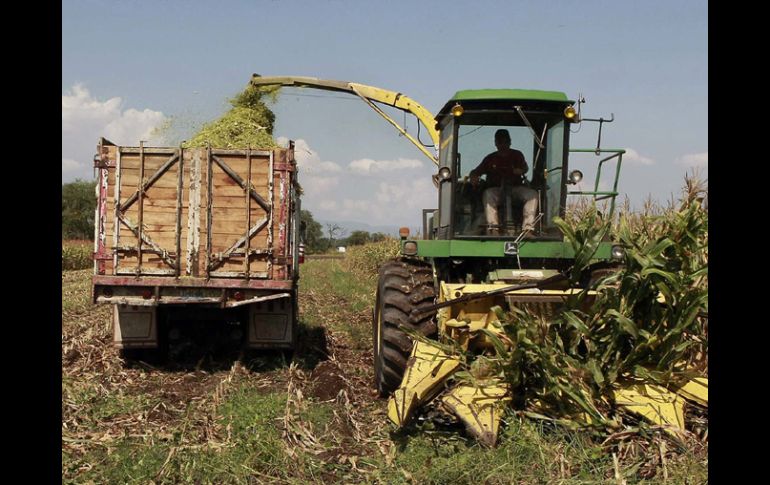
(649, 320)
(76, 254)
(365, 260)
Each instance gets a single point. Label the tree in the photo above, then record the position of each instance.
(377, 237)
(358, 238)
(335, 232)
(314, 235)
(78, 205)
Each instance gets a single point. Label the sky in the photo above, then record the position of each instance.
(129, 66)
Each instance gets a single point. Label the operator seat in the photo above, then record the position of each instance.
(510, 210)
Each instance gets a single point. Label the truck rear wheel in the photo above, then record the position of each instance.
(403, 285)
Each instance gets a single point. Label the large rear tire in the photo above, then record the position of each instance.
(403, 285)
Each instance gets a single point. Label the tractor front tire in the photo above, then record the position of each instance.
(403, 285)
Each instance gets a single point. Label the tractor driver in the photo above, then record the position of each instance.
(506, 165)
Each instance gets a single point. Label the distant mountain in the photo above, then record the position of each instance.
(351, 226)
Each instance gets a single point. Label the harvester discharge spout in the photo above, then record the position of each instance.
(370, 95)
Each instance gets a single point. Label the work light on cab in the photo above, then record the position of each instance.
(410, 248)
(444, 174)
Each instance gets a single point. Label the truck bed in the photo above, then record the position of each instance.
(197, 234)
(192, 217)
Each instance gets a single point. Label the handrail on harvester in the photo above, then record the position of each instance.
(596, 193)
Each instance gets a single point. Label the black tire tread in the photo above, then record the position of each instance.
(403, 285)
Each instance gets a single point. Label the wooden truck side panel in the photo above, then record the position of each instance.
(197, 226)
(193, 216)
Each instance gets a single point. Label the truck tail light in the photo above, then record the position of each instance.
(146, 293)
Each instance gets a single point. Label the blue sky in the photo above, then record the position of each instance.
(128, 65)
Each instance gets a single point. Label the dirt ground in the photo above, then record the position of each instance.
(106, 399)
(310, 417)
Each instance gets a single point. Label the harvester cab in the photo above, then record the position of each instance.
(538, 125)
(492, 245)
(502, 229)
(530, 126)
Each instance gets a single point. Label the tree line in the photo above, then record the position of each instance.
(320, 238)
(78, 206)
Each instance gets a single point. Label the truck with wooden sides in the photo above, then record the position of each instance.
(187, 238)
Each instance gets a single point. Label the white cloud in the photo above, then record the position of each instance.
(404, 199)
(388, 193)
(414, 193)
(85, 118)
(633, 156)
(340, 192)
(390, 203)
(314, 184)
(367, 166)
(355, 207)
(315, 176)
(328, 205)
(318, 178)
(329, 167)
(77, 106)
(134, 126)
(308, 159)
(69, 165)
(694, 159)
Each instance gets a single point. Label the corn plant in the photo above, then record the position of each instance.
(76, 255)
(365, 260)
(248, 123)
(648, 320)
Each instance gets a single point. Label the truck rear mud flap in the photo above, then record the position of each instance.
(135, 327)
(272, 323)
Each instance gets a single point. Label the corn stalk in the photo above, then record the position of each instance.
(649, 320)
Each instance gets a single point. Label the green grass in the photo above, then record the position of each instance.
(328, 276)
(528, 452)
(141, 425)
(76, 291)
(251, 444)
(342, 303)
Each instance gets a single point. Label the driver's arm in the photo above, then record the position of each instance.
(520, 166)
(480, 170)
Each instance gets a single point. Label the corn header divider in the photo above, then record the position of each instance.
(479, 405)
